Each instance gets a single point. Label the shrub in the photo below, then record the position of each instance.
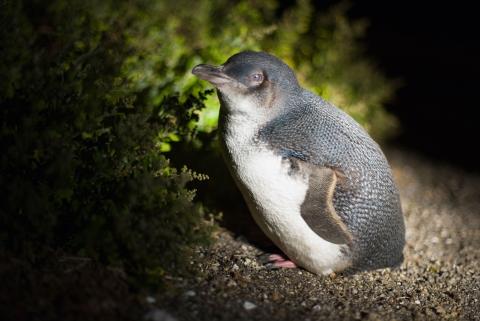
(82, 169)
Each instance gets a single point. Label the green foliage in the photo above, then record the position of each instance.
(94, 93)
(82, 169)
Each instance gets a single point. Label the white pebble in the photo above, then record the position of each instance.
(159, 315)
(247, 305)
(190, 293)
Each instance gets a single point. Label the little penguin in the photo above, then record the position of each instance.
(313, 179)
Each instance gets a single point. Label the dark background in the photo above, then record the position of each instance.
(432, 48)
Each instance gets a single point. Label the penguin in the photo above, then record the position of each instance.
(313, 179)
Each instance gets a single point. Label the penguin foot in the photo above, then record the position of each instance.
(287, 264)
(276, 261)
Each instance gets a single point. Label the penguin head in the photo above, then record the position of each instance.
(253, 83)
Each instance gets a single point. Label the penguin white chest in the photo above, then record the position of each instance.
(274, 194)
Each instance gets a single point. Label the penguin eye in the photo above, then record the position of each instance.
(256, 78)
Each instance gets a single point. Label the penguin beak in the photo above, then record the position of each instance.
(212, 74)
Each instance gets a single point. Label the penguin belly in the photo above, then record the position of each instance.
(274, 194)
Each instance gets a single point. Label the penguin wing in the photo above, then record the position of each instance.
(317, 208)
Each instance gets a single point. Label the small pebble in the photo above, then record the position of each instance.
(276, 296)
(159, 315)
(231, 283)
(150, 299)
(190, 293)
(247, 305)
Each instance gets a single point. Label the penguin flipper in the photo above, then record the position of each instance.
(317, 208)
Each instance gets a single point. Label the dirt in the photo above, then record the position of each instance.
(439, 279)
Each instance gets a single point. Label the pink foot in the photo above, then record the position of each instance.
(287, 264)
(276, 258)
(277, 261)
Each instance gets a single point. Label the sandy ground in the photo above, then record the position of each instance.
(439, 280)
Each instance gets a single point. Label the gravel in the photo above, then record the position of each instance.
(439, 279)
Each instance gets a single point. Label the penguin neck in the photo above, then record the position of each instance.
(253, 110)
(240, 120)
(237, 129)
